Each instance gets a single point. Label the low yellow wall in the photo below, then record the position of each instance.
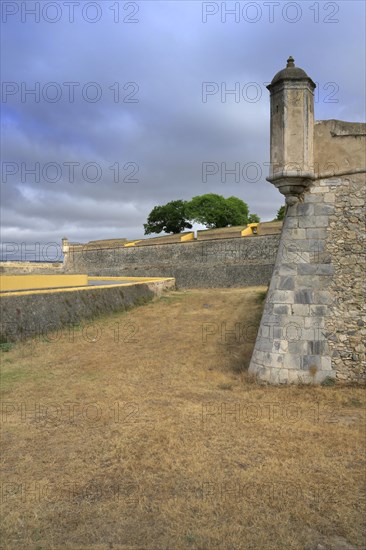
(25, 282)
(187, 237)
(251, 229)
(132, 243)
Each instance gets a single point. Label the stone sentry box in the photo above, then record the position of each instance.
(314, 319)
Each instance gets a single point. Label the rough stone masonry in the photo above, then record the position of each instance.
(313, 326)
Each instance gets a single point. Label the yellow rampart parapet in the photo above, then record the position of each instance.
(187, 237)
(75, 285)
(251, 229)
(29, 282)
(132, 243)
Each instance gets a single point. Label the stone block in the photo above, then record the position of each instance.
(316, 347)
(286, 283)
(282, 375)
(296, 234)
(311, 222)
(304, 282)
(273, 377)
(278, 359)
(292, 253)
(291, 211)
(282, 296)
(319, 311)
(305, 209)
(300, 309)
(292, 361)
(293, 331)
(303, 297)
(315, 269)
(316, 245)
(285, 269)
(265, 331)
(280, 346)
(313, 333)
(257, 355)
(297, 348)
(294, 376)
(333, 182)
(281, 309)
(263, 345)
(301, 246)
(314, 323)
(271, 320)
(291, 223)
(310, 361)
(273, 360)
(313, 198)
(318, 233)
(293, 321)
(320, 257)
(323, 209)
(270, 360)
(317, 188)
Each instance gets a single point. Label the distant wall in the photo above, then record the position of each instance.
(23, 268)
(235, 262)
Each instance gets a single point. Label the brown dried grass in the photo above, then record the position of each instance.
(152, 438)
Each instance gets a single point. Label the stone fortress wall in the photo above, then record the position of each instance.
(314, 323)
(216, 259)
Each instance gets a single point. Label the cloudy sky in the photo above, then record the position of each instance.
(110, 108)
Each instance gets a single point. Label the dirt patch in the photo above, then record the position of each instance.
(142, 431)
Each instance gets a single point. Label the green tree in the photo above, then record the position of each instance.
(280, 214)
(170, 218)
(215, 211)
(253, 218)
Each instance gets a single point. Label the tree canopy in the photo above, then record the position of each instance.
(170, 218)
(253, 218)
(280, 214)
(213, 211)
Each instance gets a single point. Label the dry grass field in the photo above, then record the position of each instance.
(142, 431)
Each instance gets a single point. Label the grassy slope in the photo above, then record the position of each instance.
(144, 432)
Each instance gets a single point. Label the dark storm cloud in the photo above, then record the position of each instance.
(163, 139)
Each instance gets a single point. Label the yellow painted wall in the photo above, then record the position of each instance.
(250, 230)
(24, 282)
(187, 237)
(133, 243)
